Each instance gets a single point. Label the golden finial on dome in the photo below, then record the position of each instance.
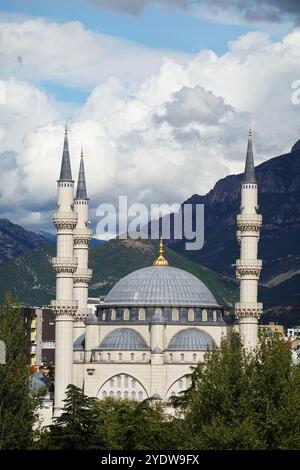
(161, 261)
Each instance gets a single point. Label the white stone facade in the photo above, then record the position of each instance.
(155, 372)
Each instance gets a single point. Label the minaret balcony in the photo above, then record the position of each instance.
(248, 309)
(64, 265)
(64, 307)
(82, 236)
(65, 220)
(82, 276)
(248, 268)
(249, 222)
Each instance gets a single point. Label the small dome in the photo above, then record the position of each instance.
(91, 319)
(156, 396)
(163, 286)
(191, 340)
(123, 339)
(79, 344)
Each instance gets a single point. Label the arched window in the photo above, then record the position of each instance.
(175, 314)
(123, 385)
(215, 315)
(132, 356)
(194, 357)
(182, 357)
(144, 357)
(191, 314)
(103, 316)
(113, 314)
(120, 356)
(108, 356)
(142, 314)
(126, 314)
(204, 315)
(170, 357)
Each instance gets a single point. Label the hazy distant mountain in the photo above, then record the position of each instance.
(50, 237)
(15, 240)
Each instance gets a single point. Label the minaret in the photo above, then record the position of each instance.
(248, 267)
(82, 236)
(64, 265)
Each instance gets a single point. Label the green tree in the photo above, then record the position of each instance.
(244, 401)
(275, 395)
(17, 404)
(132, 425)
(75, 427)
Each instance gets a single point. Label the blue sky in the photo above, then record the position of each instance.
(154, 27)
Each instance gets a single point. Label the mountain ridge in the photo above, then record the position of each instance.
(32, 279)
(16, 240)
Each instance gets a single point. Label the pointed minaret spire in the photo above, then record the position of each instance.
(81, 185)
(249, 174)
(65, 171)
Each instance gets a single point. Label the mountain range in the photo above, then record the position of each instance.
(15, 240)
(31, 278)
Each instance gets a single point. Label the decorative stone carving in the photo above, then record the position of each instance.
(65, 221)
(250, 311)
(64, 265)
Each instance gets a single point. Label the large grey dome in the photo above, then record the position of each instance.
(160, 286)
(191, 339)
(123, 339)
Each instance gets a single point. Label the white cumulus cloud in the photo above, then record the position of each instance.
(157, 137)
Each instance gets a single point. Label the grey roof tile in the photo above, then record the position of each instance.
(160, 286)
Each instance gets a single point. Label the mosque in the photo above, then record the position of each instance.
(156, 322)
